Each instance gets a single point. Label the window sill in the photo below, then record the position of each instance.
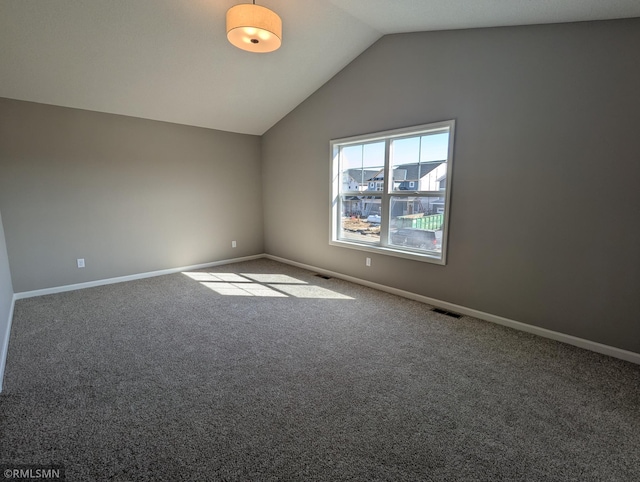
(438, 258)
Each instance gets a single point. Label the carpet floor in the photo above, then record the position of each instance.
(260, 371)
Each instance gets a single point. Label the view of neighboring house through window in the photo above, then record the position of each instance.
(391, 191)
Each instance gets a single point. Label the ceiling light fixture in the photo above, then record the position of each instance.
(254, 28)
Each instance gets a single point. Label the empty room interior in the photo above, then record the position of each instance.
(352, 240)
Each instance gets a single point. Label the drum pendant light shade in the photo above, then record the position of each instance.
(254, 28)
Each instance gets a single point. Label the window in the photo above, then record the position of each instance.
(391, 191)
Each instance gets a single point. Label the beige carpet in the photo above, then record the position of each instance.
(261, 371)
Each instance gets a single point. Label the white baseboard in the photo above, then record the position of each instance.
(4, 350)
(517, 325)
(554, 335)
(120, 279)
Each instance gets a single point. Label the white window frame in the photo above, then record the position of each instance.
(384, 247)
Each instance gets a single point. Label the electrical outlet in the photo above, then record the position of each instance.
(80, 262)
(233, 244)
(367, 262)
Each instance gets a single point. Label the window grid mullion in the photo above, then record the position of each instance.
(385, 214)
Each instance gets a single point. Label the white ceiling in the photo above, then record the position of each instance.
(169, 60)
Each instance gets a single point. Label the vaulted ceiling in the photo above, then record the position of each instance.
(169, 60)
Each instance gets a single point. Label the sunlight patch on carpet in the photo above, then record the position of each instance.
(265, 285)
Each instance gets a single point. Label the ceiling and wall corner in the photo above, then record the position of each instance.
(171, 61)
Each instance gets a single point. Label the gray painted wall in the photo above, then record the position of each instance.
(128, 195)
(6, 297)
(544, 216)
(6, 287)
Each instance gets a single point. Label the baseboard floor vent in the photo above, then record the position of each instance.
(445, 312)
(322, 276)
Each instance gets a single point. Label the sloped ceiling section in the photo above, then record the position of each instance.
(169, 60)
(401, 16)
